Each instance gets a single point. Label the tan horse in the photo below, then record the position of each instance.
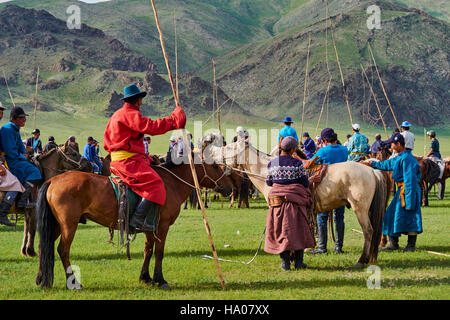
(349, 183)
(64, 199)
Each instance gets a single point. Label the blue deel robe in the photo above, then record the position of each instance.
(14, 153)
(357, 146)
(309, 147)
(398, 220)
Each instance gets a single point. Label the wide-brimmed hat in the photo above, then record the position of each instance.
(1, 106)
(288, 120)
(405, 124)
(132, 91)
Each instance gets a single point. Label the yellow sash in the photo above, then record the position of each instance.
(401, 186)
(121, 155)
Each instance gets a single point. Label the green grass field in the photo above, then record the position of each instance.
(107, 274)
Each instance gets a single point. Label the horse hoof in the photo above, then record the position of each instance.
(75, 286)
(358, 265)
(146, 279)
(165, 286)
(31, 253)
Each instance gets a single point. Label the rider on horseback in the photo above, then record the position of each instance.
(17, 159)
(357, 145)
(123, 138)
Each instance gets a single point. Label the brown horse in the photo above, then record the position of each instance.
(426, 181)
(52, 163)
(64, 199)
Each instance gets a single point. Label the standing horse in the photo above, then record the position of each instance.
(349, 183)
(426, 181)
(52, 163)
(64, 199)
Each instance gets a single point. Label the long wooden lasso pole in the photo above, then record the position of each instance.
(9, 90)
(382, 85)
(340, 71)
(36, 98)
(217, 96)
(376, 101)
(188, 147)
(305, 89)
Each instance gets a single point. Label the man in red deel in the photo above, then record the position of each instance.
(123, 139)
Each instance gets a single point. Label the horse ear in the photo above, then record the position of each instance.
(65, 145)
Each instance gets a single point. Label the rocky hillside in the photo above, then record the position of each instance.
(412, 52)
(207, 28)
(83, 71)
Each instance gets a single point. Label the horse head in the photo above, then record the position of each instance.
(384, 152)
(72, 160)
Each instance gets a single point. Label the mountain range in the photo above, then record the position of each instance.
(259, 46)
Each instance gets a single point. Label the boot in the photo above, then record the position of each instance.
(24, 199)
(411, 246)
(322, 240)
(393, 244)
(144, 217)
(339, 238)
(285, 261)
(298, 260)
(4, 210)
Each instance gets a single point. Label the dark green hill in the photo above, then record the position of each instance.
(412, 50)
(81, 71)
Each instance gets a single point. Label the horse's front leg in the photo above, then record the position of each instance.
(159, 255)
(148, 252)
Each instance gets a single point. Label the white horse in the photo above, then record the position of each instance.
(349, 183)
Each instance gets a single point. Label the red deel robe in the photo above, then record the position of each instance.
(125, 131)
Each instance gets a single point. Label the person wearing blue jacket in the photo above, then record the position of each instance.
(330, 154)
(309, 147)
(90, 153)
(357, 145)
(403, 216)
(17, 158)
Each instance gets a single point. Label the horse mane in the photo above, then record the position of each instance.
(45, 155)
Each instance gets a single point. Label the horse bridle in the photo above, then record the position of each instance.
(77, 163)
(59, 151)
(226, 172)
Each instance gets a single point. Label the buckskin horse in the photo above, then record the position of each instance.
(64, 199)
(52, 163)
(349, 183)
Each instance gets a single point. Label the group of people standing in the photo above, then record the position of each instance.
(287, 226)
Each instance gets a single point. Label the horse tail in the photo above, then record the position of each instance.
(46, 227)
(377, 210)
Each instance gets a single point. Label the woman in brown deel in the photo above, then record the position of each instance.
(287, 225)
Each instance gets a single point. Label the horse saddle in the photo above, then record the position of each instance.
(127, 198)
(315, 171)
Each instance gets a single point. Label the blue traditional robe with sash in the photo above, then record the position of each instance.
(357, 146)
(404, 213)
(14, 153)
